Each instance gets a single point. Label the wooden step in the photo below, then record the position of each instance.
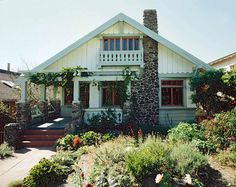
(43, 132)
(39, 137)
(48, 143)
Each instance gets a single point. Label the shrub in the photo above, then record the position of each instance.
(221, 130)
(108, 136)
(90, 138)
(104, 119)
(16, 183)
(147, 159)
(65, 143)
(46, 174)
(185, 159)
(5, 151)
(64, 158)
(227, 158)
(185, 132)
(109, 162)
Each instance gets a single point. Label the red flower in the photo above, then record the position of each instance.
(76, 141)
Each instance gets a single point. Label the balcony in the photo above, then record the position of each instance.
(121, 58)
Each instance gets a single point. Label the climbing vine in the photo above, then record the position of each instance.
(62, 78)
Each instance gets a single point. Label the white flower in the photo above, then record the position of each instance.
(188, 179)
(158, 178)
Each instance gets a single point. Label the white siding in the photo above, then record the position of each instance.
(84, 56)
(121, 27)
(225, 64)
(171, 62)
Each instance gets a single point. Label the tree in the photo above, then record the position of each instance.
(214, 90)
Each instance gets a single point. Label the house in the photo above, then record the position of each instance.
(161, 92)
(8, 94)
(227, 62)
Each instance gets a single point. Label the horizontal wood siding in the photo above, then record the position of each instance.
(171, 62)
(174, 116)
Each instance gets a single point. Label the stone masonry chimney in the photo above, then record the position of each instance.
(145, 91)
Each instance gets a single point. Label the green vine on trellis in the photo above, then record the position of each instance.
(63, 78)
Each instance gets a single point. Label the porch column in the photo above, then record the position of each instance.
(43, 104)
(23, 85)
(77, 110)
(42, 96)
(23, 110)
(76, 98)
(94, 95)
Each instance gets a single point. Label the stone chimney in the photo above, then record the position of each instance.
(145, 91)
(150, 19)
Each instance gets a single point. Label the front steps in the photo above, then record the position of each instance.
(39, 137)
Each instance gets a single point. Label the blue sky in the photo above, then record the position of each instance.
(31, 31)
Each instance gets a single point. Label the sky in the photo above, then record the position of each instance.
(32, 31)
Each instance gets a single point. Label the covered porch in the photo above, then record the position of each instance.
(88, 89)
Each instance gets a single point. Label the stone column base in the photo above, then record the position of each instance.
(23, 114)
(11, 132)
(77, 114)
(43, 107)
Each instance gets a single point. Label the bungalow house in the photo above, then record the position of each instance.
(162, 70)
(227, 62)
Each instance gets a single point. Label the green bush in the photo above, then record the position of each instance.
(147, 159)
(109, 162)
(185, 159)
(16, 183)
(108, 136)
(5, 151)
(221, 129)
(64, 158)
(90, 138)
(185, 132)
(46, 174)
(65, 143)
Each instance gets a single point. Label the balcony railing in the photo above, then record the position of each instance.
(109, 58)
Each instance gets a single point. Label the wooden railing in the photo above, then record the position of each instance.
(90, 112)
(134, 57)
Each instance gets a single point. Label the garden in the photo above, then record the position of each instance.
(196, 154)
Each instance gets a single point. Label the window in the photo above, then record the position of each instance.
(109, 96)
(84, 95)
(114, 44)
(172, 92)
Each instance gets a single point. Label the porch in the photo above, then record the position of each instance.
(88, 89)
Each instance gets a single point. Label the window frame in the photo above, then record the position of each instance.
(121, 41)
(114, 97)
(172, 105)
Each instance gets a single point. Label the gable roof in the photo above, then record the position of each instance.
(223, 58)
(133, 23)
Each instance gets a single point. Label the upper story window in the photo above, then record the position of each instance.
(172, 92)
(117, 44)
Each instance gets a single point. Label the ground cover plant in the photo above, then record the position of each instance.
(5, 151)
